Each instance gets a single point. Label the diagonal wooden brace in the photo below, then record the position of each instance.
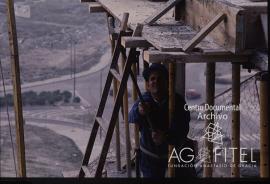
(204, 32)
(169, 5)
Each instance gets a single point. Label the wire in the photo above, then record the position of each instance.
(9, 124)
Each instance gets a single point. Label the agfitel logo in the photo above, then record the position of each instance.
(212, 133)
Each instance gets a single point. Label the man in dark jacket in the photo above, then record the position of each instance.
(157, 135)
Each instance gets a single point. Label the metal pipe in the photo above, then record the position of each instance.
(235, 170)
(210, 100)
(264, 125)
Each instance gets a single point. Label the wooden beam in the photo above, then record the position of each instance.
(111, 25)
(204, 32)
(87, 1)
(230, 34)
(111, 28)
(95, 7)
(139, 10)
(264, 22)
(210, 100)
(192, 57)
(264, 125)
(235, 136)
(216, 52)
(255, 6)
(15, 65)
(135, 42)
(162, 11)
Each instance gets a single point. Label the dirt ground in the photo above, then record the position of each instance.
(48, 160)
(46, 38)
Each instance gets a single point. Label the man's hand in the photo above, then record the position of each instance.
(158, 137)
(144, 108)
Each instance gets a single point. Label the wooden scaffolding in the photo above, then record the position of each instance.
(200, 31)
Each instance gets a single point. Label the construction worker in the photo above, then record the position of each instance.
(152, 118)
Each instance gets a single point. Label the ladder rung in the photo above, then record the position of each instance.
(103, 123)
(86, 171)
(116, 75)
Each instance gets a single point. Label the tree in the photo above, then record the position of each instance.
(9, 99)
(29, 97)
(77, 99)
(66, 96)
(57, 96)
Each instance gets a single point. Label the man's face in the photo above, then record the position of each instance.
(157, 83)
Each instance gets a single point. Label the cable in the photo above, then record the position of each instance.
(9, 124)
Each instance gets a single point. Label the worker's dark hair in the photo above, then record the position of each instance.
(155, 67)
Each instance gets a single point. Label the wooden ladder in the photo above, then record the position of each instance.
(99, 121)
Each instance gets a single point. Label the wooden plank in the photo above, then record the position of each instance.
(182, 57)
(172, 37)
(230, 34)
(255, 6)
(204, 32)
(216, 52)
(139, 10)
(135, 42)
(95, 7)
(161, 11)
(87, 1)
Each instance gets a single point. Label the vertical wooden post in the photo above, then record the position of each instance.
(111, 26)
(145, 65)
(264, 125)
(136, 126)
(172, 67)
(181, 78)
(210, 100)
(235, 170)
(177, 12)
(127, 133)
(14, 51)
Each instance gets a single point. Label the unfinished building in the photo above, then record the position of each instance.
(177, 33)
(197, 31)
